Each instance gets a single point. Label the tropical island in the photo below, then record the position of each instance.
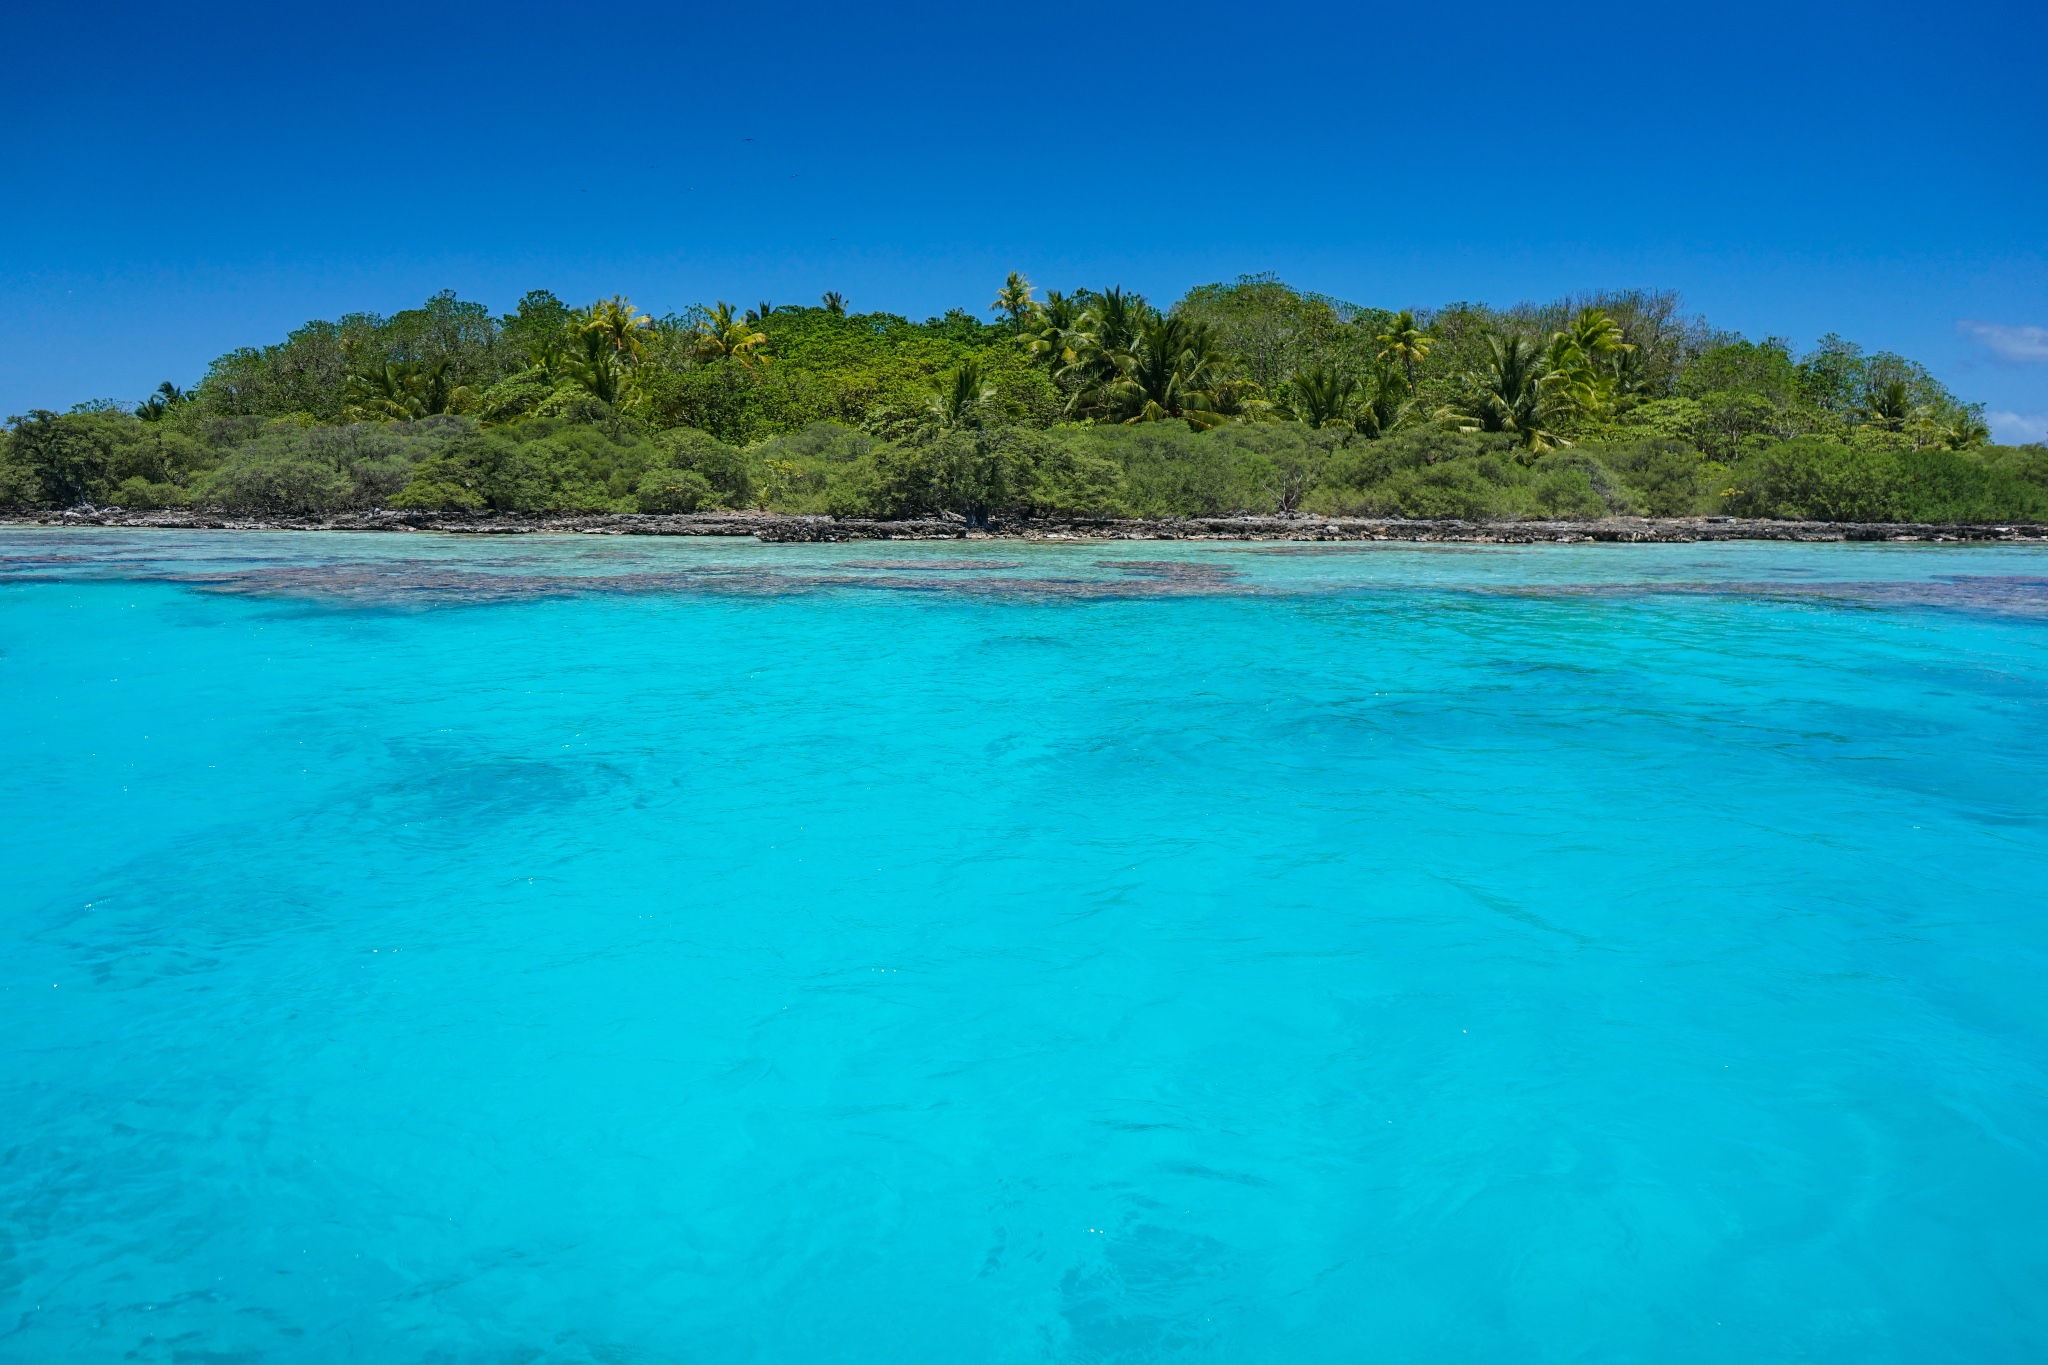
(1249, 398)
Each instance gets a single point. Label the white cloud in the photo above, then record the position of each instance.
(2019, 345)
(2017, 428)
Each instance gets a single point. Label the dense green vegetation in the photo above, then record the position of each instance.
(1245, 397)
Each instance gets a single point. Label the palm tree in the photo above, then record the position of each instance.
(436, 394)
(835, 303)
(1888, 404)
(721, 336)
(1320, 397)
(617, 324)
(1112, 319)
(384, 392)
(1169, 369)
(1580, 375)
(591, 364)
(604, 343)
(1104, 337)
(158, 405)
(1571, 383)
(1049, 333)
(1014, 298)
(1506, 394)
(1592, 333)
(1236, 400)
(1386, 406)
(1946, 427)
(1406, 342)
(546, 350)
(1631, 378)
(959, 397)
(1965, 430)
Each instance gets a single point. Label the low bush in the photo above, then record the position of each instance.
(1835, 481)
(591, 457)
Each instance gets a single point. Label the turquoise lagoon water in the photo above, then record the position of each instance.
(586, 949)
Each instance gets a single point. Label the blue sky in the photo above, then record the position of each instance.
(185, 179)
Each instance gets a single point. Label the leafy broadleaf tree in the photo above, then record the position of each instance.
(1273, 329)
(538, 332)
(68, 459)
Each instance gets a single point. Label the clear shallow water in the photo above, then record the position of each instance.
(630, 951)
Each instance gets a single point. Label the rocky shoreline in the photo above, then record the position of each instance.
(779, 528)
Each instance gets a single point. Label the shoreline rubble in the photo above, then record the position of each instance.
(780, 528)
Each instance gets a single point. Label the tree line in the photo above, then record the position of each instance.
(1248, 396)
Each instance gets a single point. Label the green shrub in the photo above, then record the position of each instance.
(59, 460)
(604, 462)
(508, 400)
(1663, 477)
(1567, 489)
(1473, 488)
(2028, 464)
(262, 481)
(139, 494)
(730, 472)
(1432, 472)
(1166, 470)
(1832, 481)
(975, 474)
(1815, 480)
(675, 490)
(823, 442)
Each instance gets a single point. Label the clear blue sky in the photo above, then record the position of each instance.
(188, 178)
